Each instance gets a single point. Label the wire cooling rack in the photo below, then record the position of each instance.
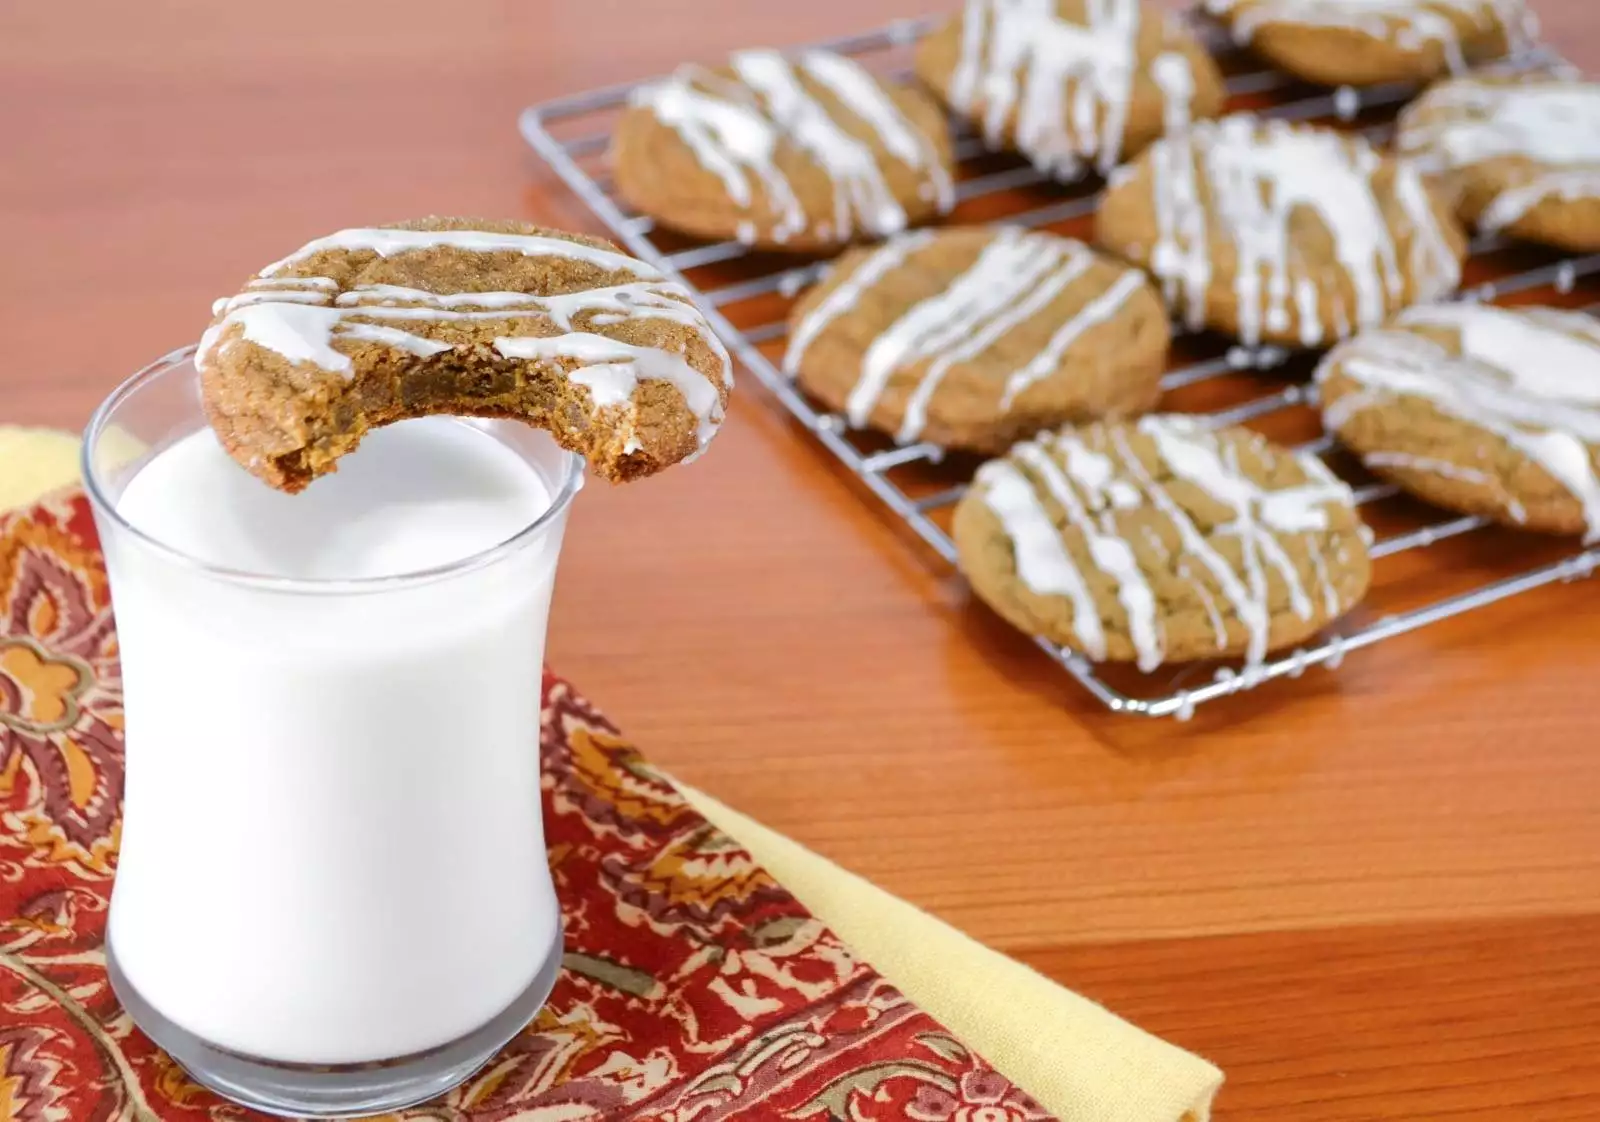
(745, 296)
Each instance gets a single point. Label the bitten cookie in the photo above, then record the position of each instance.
(1365, 42)
(1073, 85)
(1521, 156)
(802, 154)
(973, 338)
(1280, 233)
(1159, 541)
(464, 316)
(1484, 410)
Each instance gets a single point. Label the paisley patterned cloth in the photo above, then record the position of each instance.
(695, 987)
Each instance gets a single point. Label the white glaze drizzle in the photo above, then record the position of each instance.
(1174, 76)
(301, 318)
(1111, 553)
(1429, 464)
(1091, 486)
(288, 290)
(1097, 311)
(1180, 258)
(1009, 266)
(394, 295)
(1330, 594)
(1015, 278)
(1529, 376)
(882, 261)
(1041, 557)
(732, 138)
(267, 296)
(1259, 174)
(613, 369)
(304, 334)
(1336, 414)
(1434, 264)
(1219, 630)
(318, 326)
(735, 130)
(1513, 204)
(860, 192)
(1060, 87)
(1551, 124)
(1409, 24)
(1027, 291)
(1199, 459)
(387, 242)
(613, 304)
(1433, 466)
(848, 81)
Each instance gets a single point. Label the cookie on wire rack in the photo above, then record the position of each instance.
(976, 337)
(1477, 409)
(1367, 42)
(1519, 155)
(806, 153)
(1073, 85)
(1281, 233)
(1161, 541)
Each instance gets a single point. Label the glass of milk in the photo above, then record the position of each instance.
(332, 896)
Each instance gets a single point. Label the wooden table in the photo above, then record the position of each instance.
(1370, 894)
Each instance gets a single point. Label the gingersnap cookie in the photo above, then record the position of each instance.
(1478, 409)
(1366, 42)
(463, 316)
(1160, 541)
(975, 337)
(1280, 233)
(806, 153)
(1070, 84)
(1518, 155)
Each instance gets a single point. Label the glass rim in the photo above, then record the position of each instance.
(571, 483)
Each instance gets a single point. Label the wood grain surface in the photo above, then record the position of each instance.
(1370, 894)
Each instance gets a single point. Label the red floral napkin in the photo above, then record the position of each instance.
(695, 987)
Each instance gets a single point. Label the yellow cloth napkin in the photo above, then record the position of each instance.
(33, 461)
(1081, 1062)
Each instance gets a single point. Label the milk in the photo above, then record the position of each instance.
(332, 849)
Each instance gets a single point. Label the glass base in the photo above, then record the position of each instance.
(337, 1090)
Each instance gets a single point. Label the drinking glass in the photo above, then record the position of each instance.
(332, 895)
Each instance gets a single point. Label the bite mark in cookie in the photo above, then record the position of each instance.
(471, 317)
